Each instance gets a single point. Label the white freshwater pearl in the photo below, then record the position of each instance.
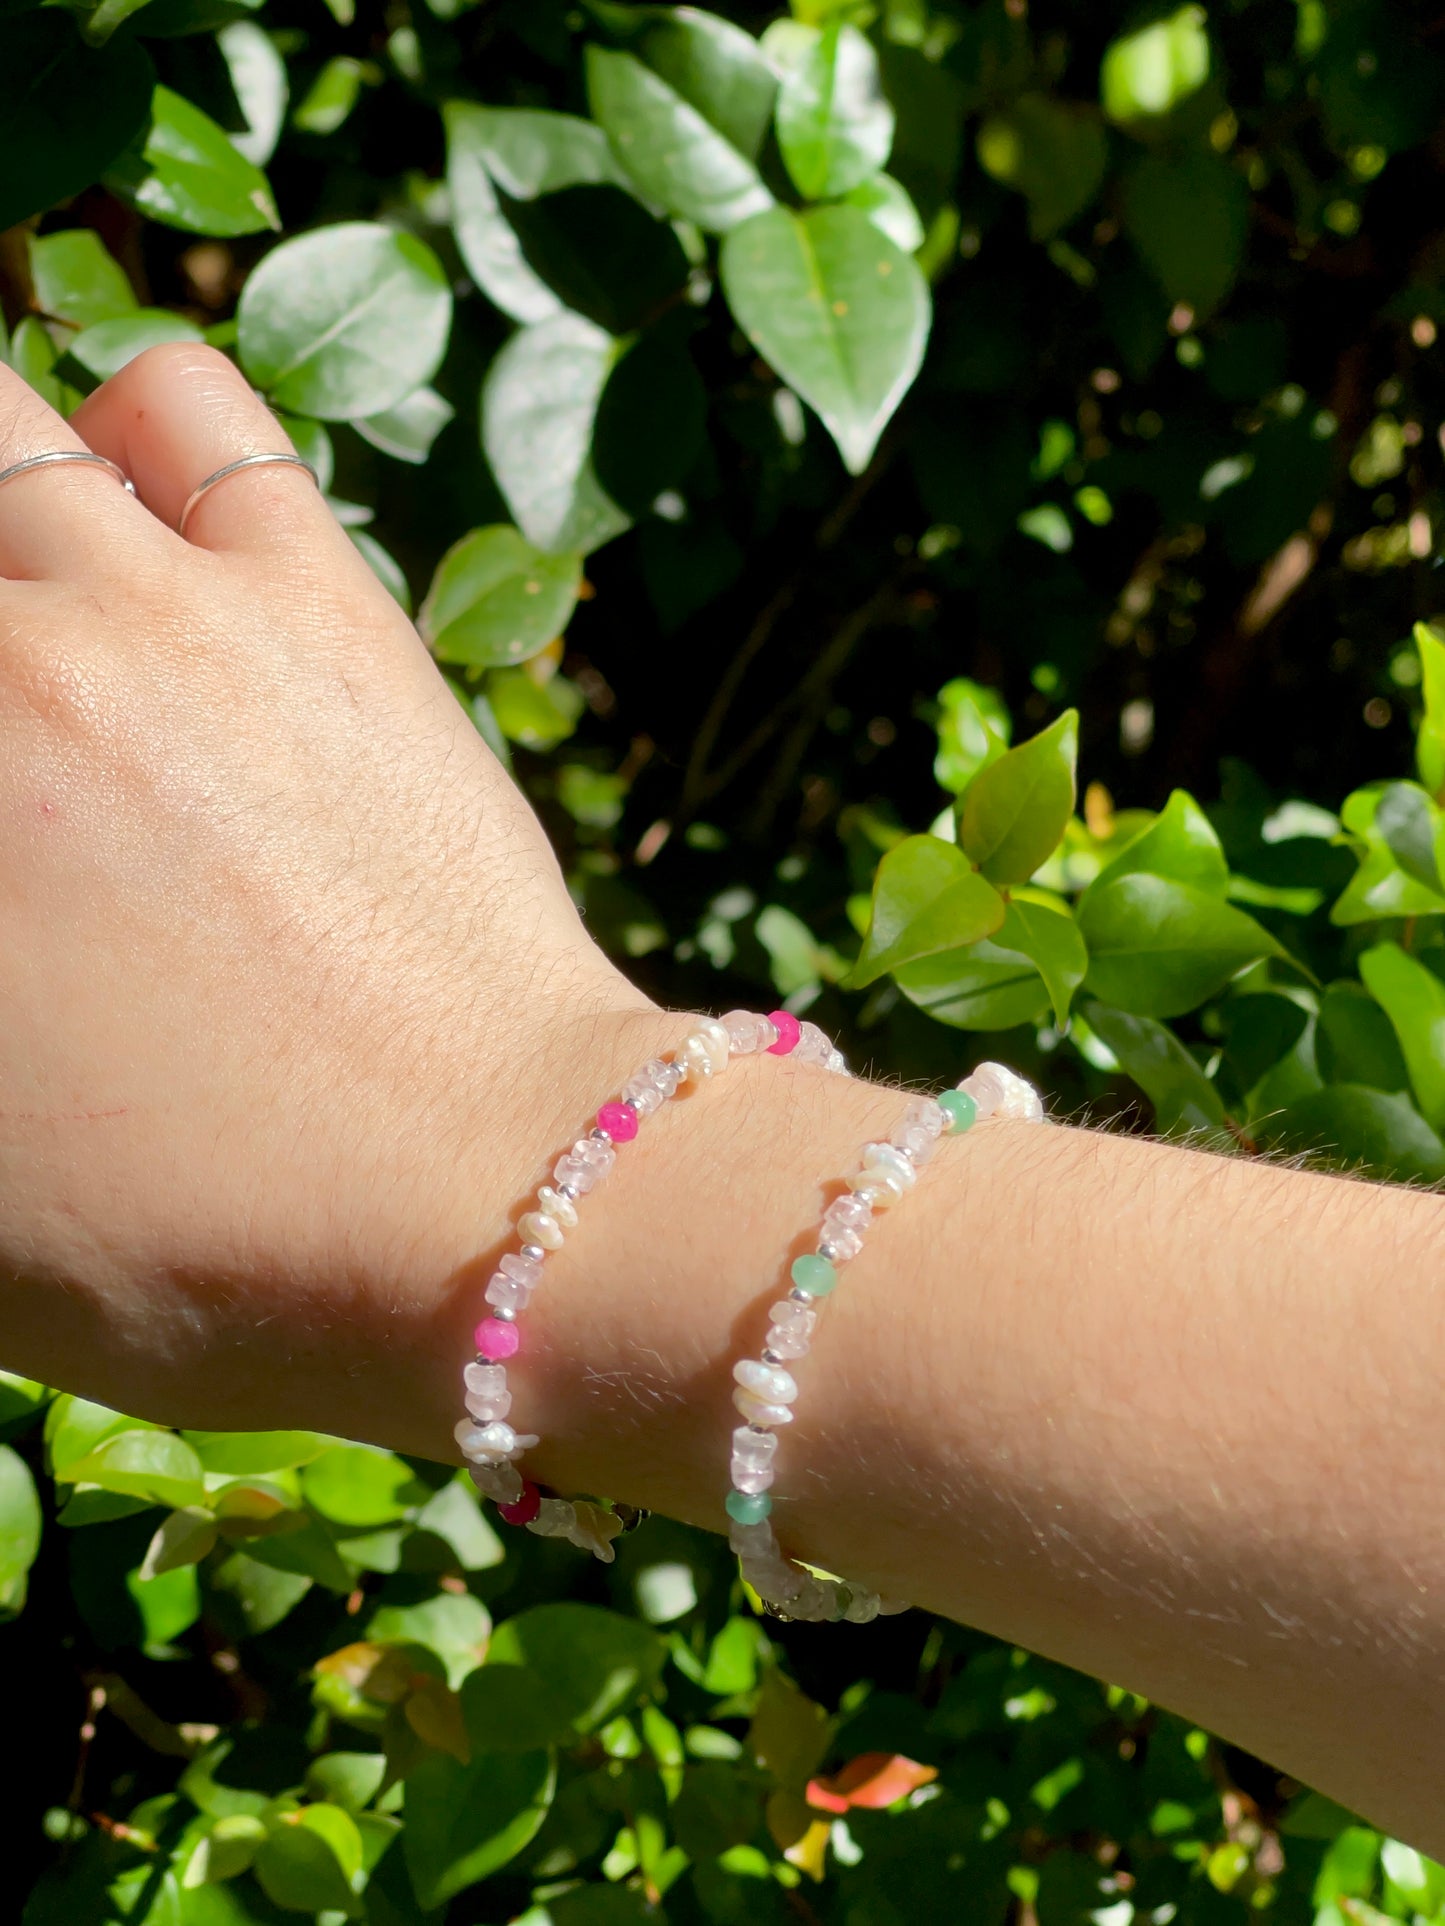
(879, 1189)
(888, 1158)
(759, 1411)
(536, 1227)
(770, 1382)
(559, 1208)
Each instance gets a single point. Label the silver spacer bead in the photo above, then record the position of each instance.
(760, 1431)
(829, 1251)
(795, 1296)
(570, 1192)
(770, 1357)
(503, 1313)
(534, 1252)
(628, 1104)
(599, 1135)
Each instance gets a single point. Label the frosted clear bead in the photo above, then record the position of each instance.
(863, 1609)
(842, 1245)
(788, 1341)
(796, 1319)
(748, 1032)
(526, 1270)
(770, 1382)
(846, 1213)
(649, 1088)
(484, 1409)
(813, 1045)
(594, 1153)
(580, 1176)
(555, 1519)
(502, 1483)
(759, 1410)
(926, 1113)
(559, 1208)
(536, 1227)
(749, 1478)
(755, 1448)
(891, 1160)
(487, 1380)
(506, 1294)
(915, 1143)
(879, 1189)
(837, 1063)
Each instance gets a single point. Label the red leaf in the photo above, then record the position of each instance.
(873, 1780)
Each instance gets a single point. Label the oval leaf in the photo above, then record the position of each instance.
(345, 321)
(835, 128)
(464, 1822)
(1413, 998)
(187, 173)
(19, 1528)
(66, 110)
(1179, 843)
(837, 309)
(1015, 810)
(496, 599)
(1183, 1097)
(156, 1465)
(926, 899)
(1159, 948)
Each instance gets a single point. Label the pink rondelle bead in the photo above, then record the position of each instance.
(788, 1029)
(497, 1339)
(619, 1120)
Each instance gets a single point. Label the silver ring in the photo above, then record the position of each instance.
(55, 455)
(234, 468)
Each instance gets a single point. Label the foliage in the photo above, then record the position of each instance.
(803, 438)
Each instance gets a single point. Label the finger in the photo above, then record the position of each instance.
(63, 519)
(179, 413)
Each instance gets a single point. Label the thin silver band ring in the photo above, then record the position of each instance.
(234, 468)
(57, 455)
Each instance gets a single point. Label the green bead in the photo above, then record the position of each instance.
(749, 1508)
(961, 1110)
(814, 1274)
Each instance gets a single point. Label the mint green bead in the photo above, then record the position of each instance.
(749, 1508)
(814, 1274)
(961, 1109)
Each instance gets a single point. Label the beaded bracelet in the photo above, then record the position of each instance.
(490, 1443)
(765, 1388)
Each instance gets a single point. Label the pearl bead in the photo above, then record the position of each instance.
(538, 1228)
(888, 1158)
(770, 1382)
(878, 1188)
(559, 1208)
(759, 1411)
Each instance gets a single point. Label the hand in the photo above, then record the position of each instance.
(294, 995)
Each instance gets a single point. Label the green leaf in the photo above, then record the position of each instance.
(1148, 72)
(75, 279)
(184, 1538)
(1014, 812)
(258, 80)
(1354, 1040)
(19, 1529)
(841, 314)
(538, 715)
(1184, 1099)
(310, 1862)
(360, 1485)
(1052, 153)
(186, 173)
(525, 153)
(344, 321)
(496, 599)
(1181, 844)
(539, 404)
(927, 898)
(453, 1625)
(973, 730)
(332, 95)
(66, 110)
(465, 1822)
(257, 1595)
(33, 356)
(997, 983)
(1413, 829)
(306, 1552)
(1043, 929)
(349, 1779)
(75, 1426)
(686, 109)
(156, 1465)
(243, 1454)
(596, 1663)
(1188, 215)
(889, 206)
(408, 430)
(1159, 948)
(1413, 998)
(1430, 739)
(455, 1517)
(105, 348)
(1370, 1130)
(20, 1399)
(226, 1851)
(835, 128)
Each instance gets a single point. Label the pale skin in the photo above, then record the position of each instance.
(297, 1013)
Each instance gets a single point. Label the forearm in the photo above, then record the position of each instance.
(1170, 1418)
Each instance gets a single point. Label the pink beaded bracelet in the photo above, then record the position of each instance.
(490, 1443)
(765, 1388)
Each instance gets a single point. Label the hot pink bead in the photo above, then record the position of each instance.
(497, 1339)
(788, 1029)
(526, 1507)
(619, 1120)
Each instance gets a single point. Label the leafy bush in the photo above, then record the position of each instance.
(773, 418)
